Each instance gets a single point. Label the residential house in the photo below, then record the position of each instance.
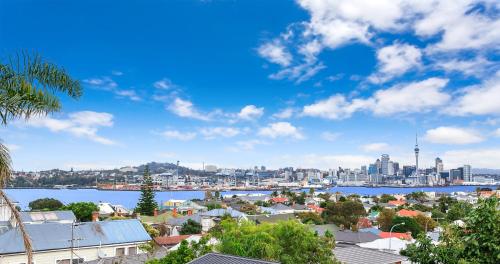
(271, 218)
(350, 237)
(405, 236)
(392, 244)
(360, 255)
(62, 217)
(212, 258)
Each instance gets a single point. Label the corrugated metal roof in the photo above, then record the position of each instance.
(354, 237)
(358, 255)
(48, 236)
(222, 212)
(50, 216)
(215, 258)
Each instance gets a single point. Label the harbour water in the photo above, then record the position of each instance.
(129, 198)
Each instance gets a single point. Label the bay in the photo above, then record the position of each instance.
(129, 198)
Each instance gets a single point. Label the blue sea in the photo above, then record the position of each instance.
(129, 198)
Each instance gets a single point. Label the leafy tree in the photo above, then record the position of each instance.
(274, 193)
(311, 191)
(153, 232)
(82, 210)
(410, 225)
(147, 203)
(436, 214)
(286, 242)
(421, 252)
(345, 213)
(421, 207)
(212, 206)
(209, 196)
(458, 210)
(262, 203)
(190, 227)
(310, 218)
(45, 204)
(419, 196)
(217, 195)
(376, 208)
(28, 87)
(185, 253)
(426, 223)
(385, 218)
(445, 202)
(385, 198)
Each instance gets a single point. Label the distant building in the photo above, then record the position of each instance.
(408, 170)
(457, 174)
(385, 164)
(467, 174)
(210, 168)
(439, 165)
(372, 169)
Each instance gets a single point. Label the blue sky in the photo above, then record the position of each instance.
(309, 83)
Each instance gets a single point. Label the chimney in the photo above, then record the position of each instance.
(155, 212)
(174, 212)
(95, 216)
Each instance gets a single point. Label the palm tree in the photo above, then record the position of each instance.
(29, 87)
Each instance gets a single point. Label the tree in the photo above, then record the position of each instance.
(311, 191)
(458, 211)
(28, 87)
(185, 253)
(385, 218)
(310, 218)
(286, 242)
(217, 195)
(410, 225)
(45, 204)
(82, 210)
(419, 196)
(345, 213)
(190, 227)
(426, 223)
(421, 251)
(147, 203)
(385, 198)
(152, 232)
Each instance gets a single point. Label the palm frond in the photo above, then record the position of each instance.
(5, 165)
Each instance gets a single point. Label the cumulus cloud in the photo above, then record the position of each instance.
(107, 84)
(395, 60)
(478, 99)
(412, 97)
(250, 112)
(281, 129)
(375, 147)
(131, 94)
(247, 145)
(164, 84)
(453, 135)
(213, 132)
(284, 114)
(185, 108)
(175, 134)
(275, 52)
(83, 124)
(479, 158)
(497, 132)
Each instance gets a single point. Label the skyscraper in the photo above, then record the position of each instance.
(467, 173)
(384, 162)
(439, 166)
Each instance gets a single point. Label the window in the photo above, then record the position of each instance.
(132, 251)
(120, 252)
(67, 261)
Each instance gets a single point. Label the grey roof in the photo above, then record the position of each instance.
(321, 229)
(281, 207)
(222, 212)
(48, 236)
(359, 255)
(354, 237)
(216, 258)
(130, 259)
(178, 221)
(271, 218)
(299, 207)
(49, 216)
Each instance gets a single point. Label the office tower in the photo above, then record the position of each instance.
(390, 168)
(396, 167)
(385, 164)
(372, 169)
(363, 170)
(379, 166)
(456, 174)
(439, 165)
(467, 173)
(408, 170)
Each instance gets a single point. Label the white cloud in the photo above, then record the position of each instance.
(281, 129)
(184, 108)
(247, 145)
(275, 52)
(412, 97)
(131, 94)
(330, 136)
(497, 132)
(284, 114)
(250, 112)
(453, 135)
(83, 124)
(375, 147)
(117, 73)
(478, 100)
(298, 73)
(473, 67)
(105, 83)
(175, 134)
(164, 84)
(479, 158)
(323, 161)
(12, 147)
(213, 132)
(395, 60)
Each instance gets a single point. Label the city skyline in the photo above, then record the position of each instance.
(208, 81)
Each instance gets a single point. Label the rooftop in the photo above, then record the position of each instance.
(358, 255)
(216, 258)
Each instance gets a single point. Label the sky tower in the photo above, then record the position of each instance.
(416, 155)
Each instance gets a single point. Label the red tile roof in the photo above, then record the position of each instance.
(170, 240)
(316, 208)
(408, 213)
(406, 236)
(279, 199)
(396, 202)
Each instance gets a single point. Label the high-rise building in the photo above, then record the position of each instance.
(390, 168)
(456, 174)
(439, 165)
(379, 166)
(384, 163)
(396, 167)
(363, 170)
(467, 173)
(408, 170)
(372, 169)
